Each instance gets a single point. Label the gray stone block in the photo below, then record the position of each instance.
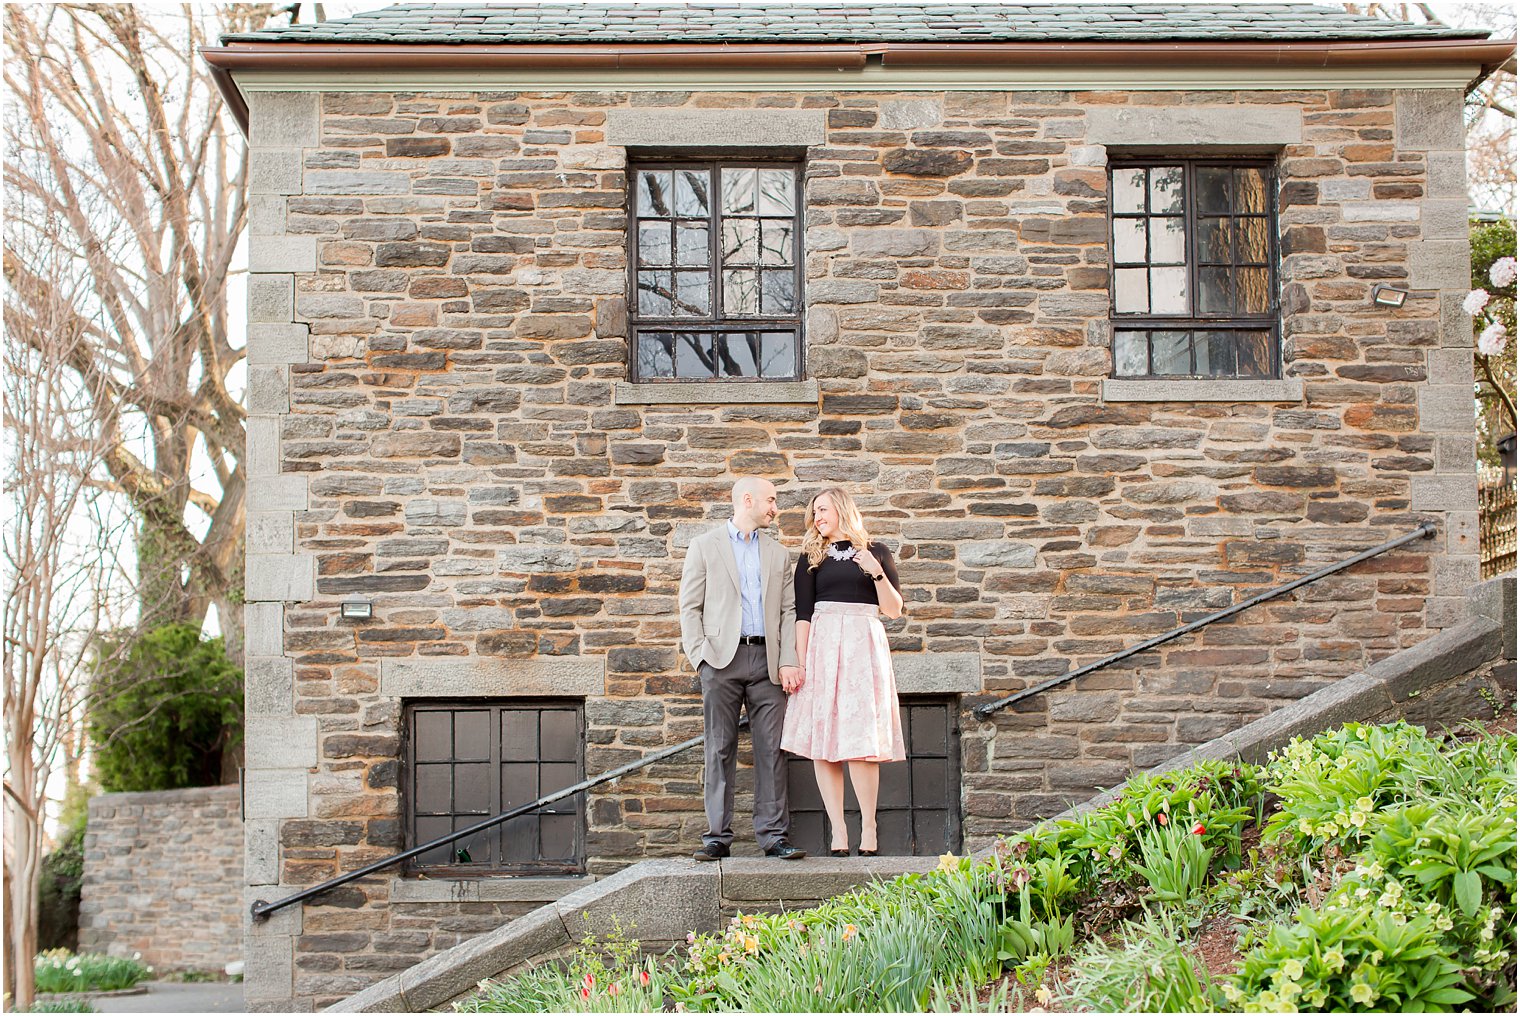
(1443, 219)
(1449, 367)
(1461, 531)
(266, 214)
(280, 742)
(1456, 323)
(262, 447)
(997, 554)
(271, 343)
(268, 390)
(1447, 654)
(349, 182)
(268, 686)
(264, 629)
(471, 677)
(666, 898)
(721, 128)
(1495, 600)
(271, 533)
(269, 969)
(1449, 492)
(1446, 175)
(261, 852)
(1195, 125)
(520, 889)
(1456, 574)
(270, 299)
(625, 393)
(930, 673)
(280, 254)
(275, 793)
(1439, 264)
(1119, 390)
(283, 119)
(1429, 119)
(1446, 409)
(285, 493)
(274, 171)
(287, 577)
(752, 880)
(284, 922)
(908, 114)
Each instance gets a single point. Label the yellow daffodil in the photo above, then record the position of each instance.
(1043, 995)
(850, 931)
(948, 862)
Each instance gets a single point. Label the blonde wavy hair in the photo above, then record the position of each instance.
(851, 526)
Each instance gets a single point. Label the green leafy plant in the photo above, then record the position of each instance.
(60, 971)
(1148, 969)
(1174, 862)
(165, 705)
(63, 1004)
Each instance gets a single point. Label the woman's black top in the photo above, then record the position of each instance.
(840, 581)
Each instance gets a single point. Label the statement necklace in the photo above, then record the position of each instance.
(848, 554)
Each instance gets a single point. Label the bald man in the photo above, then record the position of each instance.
(738, 628)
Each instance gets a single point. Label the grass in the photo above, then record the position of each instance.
(59, 972)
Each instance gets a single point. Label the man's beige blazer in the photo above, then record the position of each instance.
(711, 607)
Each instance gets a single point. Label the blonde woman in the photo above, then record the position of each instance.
(844, 705)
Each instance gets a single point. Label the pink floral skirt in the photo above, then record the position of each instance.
(846, 709)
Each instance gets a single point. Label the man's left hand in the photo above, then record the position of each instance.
(791, 679)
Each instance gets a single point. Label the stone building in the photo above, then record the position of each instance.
(1085, 303)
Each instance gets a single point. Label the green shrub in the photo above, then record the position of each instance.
(58, 904)
(59, 971)
(165, 706)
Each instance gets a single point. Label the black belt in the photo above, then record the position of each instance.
(752, 640)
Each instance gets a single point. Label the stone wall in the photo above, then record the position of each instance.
(163, 875)
(440, 421)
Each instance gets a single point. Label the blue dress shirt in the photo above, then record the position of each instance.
(747, 558)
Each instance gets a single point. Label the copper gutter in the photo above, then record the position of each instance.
(226, 60)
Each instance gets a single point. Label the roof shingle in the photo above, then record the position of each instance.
(850, 23)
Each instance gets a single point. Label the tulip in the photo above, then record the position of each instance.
(1199, 830)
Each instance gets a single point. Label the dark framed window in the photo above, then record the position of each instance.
(918, 806)
(467, 761)
(1194, 260)
(715, 266)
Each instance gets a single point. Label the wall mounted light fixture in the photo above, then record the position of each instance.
(357, 610)
(1387, 296)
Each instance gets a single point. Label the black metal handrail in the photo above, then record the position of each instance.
(261, 909)
(1426, 530)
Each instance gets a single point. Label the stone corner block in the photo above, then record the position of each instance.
(670, 898)
(284, 922)
(263, 629)
(268, 389)
(285, 577)
(1446, 654)
(269, 686)
(280, 742)
(270, 967)
(1440, 264)
(1444, 492)
(1429, 119)
(1495, 600)
(275, 171)
(275, 793)
(1195, 125)
(283, 119)
(272, 343)
(706, 128)
(574, 676)
(278, 493)
(282, 255)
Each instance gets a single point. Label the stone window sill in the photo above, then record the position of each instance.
(700, 393)
(486, 889)
(1192, 390)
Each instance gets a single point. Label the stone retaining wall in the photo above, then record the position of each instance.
(163, 875)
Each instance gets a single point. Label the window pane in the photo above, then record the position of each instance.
(1250, 189)
(656, 355)
(1214, 188)
(1214, 353)
(654, 243)
(560, 735)
(519, 839)
(693, 295)
(655, 192)
(1213, 291)
(741, 292)
(472, 789)
(1129, 241)
(738, 191)
(1166, 241)
(779, 354)
(431, 785)
(519, 732)
(1169, 291)
(777, 192)
(741, 242)
(1129, 190)
(739, 354)
(556, 837)
(691, 244)
(435, 735)
(1251, 241)
(1213, 241)
(472, 735)
(776, 243)
(927, 728)
(654, 294)
(694, 354)
(691, 193)
(1130, 292)
(1166, 189)
(1253, 354)
(1130, 359)
(779, 293)
(1171, 352)
(430, 829)
(1251, 291)
(519, 784)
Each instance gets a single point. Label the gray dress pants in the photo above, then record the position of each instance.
(745, 681)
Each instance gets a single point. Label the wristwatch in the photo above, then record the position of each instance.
(878, 576)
